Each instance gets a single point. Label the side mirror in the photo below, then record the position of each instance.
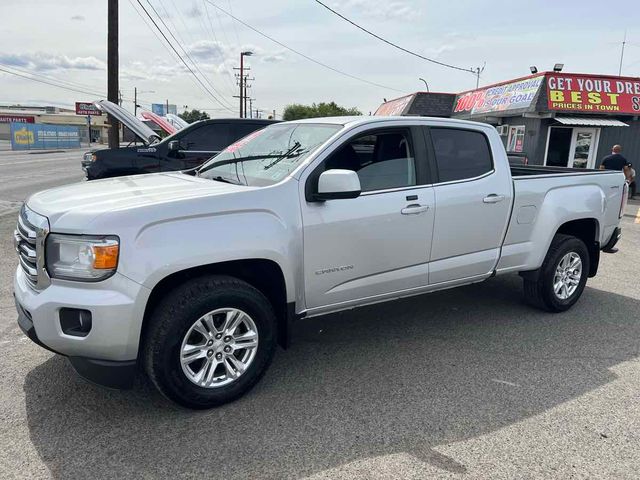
(336, 184)
(174, 145)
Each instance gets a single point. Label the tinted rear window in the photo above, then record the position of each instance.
(460, 154)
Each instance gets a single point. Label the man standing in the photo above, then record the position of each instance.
(615, 161)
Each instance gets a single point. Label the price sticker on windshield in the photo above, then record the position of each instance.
(243, 141)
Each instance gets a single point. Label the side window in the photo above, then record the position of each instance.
(240, 130)
(460, 154)
(381, 160)
(207, 138)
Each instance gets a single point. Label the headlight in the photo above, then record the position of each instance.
(89, 156)
(81, 257)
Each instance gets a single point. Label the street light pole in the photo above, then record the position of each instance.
(247, 53)
(135, 99)
(425, 84)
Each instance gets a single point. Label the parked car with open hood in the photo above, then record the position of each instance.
(189, 147)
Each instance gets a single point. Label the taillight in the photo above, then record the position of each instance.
(625, 197)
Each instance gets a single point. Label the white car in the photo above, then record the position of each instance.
(195, 277)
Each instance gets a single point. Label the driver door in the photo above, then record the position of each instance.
(379, 243)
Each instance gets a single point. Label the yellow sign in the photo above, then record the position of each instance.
(23, 137)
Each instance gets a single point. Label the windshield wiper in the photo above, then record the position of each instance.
(225, 180)
(286, 154)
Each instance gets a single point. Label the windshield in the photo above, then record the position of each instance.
(267, 156)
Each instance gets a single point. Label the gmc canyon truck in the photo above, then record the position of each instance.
(195, 277)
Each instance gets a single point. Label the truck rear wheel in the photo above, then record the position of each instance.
(562, 277)
(209, 342)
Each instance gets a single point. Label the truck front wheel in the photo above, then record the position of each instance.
(562, 277)
(209, 341)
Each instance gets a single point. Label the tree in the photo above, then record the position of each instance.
(194, 115)
(297, 111)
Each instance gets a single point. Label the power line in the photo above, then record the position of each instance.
(72, 89)
(53, 79)
(179, 56)
(226, 73)
(300, 53)
(470, 70)
(187, 53)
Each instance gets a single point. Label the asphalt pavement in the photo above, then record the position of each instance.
(465, 383)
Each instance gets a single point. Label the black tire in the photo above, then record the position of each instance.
(540, 293)
(174, 316)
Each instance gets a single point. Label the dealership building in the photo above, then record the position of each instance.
(552, 118)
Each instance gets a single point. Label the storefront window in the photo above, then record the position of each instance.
(515, 142)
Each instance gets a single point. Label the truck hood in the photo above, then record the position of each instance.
(72, 207)
(143, 132)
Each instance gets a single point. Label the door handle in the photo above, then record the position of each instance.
(493, 198)
(414, 209)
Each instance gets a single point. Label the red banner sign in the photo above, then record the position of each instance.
(87, 108)
(593, 94)
(17, 119)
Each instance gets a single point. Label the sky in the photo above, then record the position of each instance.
(65, 42)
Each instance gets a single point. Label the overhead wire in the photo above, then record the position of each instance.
(195, 65)
(297, 52)
(395, 45)
(205, 89)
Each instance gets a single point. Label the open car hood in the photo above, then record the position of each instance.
(144, 133)
(176, 121)
(160, 121)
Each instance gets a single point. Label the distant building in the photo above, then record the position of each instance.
(52, 116)
(554, 118)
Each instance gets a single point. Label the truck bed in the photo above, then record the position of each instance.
(538, 170)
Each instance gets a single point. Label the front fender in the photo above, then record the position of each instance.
(169, 246)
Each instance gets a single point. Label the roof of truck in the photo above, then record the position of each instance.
(362, 119)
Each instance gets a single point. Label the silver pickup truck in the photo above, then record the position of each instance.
(195, 277)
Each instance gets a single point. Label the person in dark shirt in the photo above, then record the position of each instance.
(615, 161)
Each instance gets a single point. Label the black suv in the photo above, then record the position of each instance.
(185, 149)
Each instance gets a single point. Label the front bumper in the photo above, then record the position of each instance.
(106, 373)
(109, 351)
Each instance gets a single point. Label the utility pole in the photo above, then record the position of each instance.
(246, 94)
(167, 110)
(112, 69)
(477, 72)
(135, 101)
(624, 42)
(251, 107)
(243, 108)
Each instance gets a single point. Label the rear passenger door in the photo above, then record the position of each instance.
(473, 199)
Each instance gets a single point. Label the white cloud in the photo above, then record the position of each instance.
(194, 11)
(41, 61)
(79, 18)
(208, 51)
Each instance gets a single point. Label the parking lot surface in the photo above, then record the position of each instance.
(464, 383)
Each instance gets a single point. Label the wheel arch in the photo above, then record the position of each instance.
(587, 230)
(263, 274)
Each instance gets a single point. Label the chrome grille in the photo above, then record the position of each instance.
(29, 237)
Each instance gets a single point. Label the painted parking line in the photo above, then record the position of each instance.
(637, 216)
